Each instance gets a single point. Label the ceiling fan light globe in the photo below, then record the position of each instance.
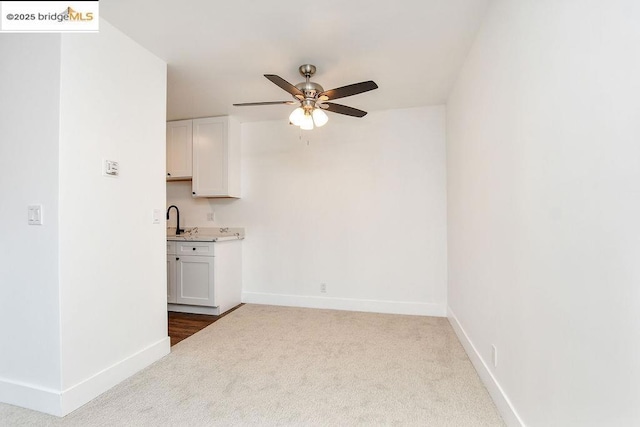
(320, 118)
(307, 123)
(297, 116)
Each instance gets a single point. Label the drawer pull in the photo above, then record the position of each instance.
(194, 249)
(177, 259)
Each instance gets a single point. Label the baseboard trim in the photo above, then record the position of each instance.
(504, 405)
(74, 397)
(59, 403)
(30, 396)
(373, 306)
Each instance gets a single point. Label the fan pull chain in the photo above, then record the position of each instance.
(300, 137)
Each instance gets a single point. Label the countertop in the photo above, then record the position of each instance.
(206, 234)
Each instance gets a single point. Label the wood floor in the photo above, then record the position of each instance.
(183, 325)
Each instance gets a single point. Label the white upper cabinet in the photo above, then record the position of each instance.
(179, 149)
(216, 157)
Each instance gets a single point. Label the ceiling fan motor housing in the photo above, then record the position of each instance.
(310, 90)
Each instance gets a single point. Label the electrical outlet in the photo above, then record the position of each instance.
(323, 288)
(210, 216)
(494, 355)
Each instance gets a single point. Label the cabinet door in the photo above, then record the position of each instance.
(171, 278)
(179, 149)
(210, 153)
(194, 280)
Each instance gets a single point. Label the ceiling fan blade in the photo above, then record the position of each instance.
(279, 81)
(343, 109)
(247, 104)
(349, 90)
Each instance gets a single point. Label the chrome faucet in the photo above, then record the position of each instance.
(178, 230)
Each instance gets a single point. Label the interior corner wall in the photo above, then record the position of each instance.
(543, 171)
(29, 306)
(358, 204)
(112, 257)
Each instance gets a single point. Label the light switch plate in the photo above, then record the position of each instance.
(34, 214)
(157, 215)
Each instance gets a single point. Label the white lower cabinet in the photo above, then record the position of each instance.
(204, 277)
(194, 280)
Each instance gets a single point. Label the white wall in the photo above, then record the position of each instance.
(112, 267)
(543, 168)
(29, 309)
(362, 208)
(84, 295)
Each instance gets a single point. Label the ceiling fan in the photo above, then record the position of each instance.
(312, 99)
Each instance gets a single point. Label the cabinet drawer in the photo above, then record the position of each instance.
(171, 248)
(194, 248)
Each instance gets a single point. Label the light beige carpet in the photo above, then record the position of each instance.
(266, 365)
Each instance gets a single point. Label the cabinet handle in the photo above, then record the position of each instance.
(194, 249)
(168, 174)
(194, 193)
(177, 259)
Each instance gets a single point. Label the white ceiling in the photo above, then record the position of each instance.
(217, 52)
